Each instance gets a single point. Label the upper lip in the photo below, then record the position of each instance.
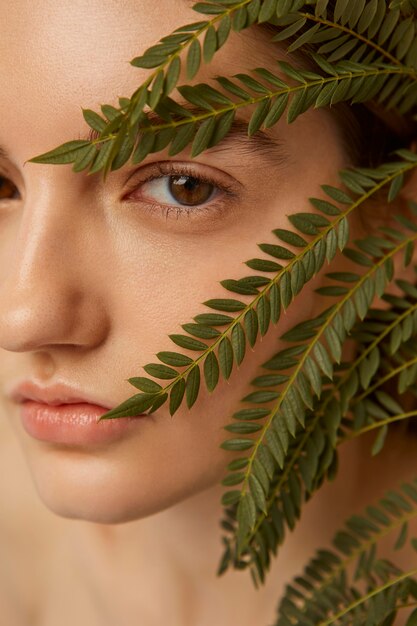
(54, 395)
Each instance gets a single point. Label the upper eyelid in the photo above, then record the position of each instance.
(6, 176)
(203, 179)
(187, 168)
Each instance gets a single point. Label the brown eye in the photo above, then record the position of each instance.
(8, 191)
(189, 190)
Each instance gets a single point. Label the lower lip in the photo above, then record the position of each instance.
(74, 424)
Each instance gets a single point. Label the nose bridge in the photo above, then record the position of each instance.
(44, 236)
(42, 298)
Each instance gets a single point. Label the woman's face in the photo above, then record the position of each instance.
(94, 277)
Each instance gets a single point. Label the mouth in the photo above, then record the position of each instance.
(75, 423)
(61, 414)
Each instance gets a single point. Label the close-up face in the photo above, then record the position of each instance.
(95, 275)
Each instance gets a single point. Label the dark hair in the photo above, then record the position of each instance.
(371, 135)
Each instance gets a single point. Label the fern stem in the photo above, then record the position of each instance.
(384, 379)
(371, 346)
(352, 33)
(379, 424)
(344, 563)
(406, 606)
(235, 106)
(367, 596)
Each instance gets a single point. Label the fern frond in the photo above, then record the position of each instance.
(295, 402)
(354, 30)
(283, 471)
(385, 338)
(268, 93)
(327, 594)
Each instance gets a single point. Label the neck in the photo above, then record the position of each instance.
(175, 554)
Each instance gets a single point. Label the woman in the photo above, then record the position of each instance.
(91, 277)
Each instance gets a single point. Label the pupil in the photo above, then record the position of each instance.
(190, 184)
(189, 190)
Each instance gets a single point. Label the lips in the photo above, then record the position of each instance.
(75, 425)
(60, 414)
(54, 395)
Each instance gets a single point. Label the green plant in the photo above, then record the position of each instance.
(309, 401)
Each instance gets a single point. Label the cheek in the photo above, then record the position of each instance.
(165, 462)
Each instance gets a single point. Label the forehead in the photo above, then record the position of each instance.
(56, 57)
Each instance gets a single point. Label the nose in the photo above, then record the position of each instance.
(49, 287)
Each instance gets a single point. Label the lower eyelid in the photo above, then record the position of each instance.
(208, 210)
(186, 211)
(207, 214)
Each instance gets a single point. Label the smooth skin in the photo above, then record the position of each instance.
(93, 277)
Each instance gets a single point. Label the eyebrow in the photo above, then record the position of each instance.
(259, 144)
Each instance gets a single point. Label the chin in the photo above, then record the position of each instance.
(99, 512)
(106, 493)
(102, 508)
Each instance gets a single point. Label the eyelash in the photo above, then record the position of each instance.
(165, 170)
